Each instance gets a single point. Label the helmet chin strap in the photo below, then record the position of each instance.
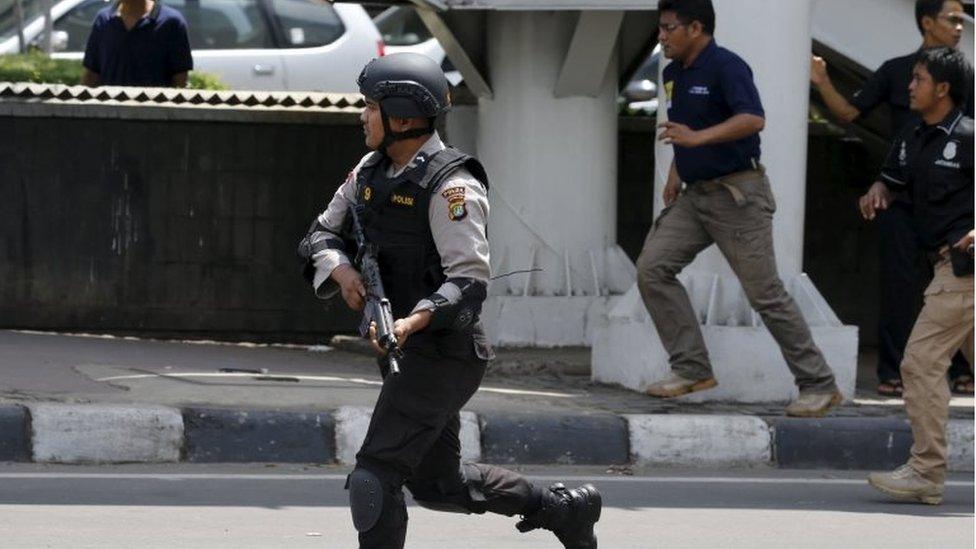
(390, 137)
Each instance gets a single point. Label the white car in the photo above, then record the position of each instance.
(294, 45)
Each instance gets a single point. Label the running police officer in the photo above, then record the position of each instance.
(933, 162)
(426, 209)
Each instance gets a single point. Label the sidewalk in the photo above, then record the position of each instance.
(81, 399)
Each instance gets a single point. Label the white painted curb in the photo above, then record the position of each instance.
(686, 440)
(98, 433)
(352, 422)
(959, 433)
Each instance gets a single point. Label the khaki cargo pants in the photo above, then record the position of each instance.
(736, 213)
(944, 326)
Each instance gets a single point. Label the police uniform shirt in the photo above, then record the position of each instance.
(934, 164)
(889, 84)
(458, 216)
(715, 87)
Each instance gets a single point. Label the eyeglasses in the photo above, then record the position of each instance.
(669, 28)
(953, 19)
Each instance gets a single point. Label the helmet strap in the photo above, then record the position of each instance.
(390, 137)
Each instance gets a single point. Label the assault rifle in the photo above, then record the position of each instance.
(378, 308)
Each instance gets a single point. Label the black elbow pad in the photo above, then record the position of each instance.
(316, 240)
(461, 312)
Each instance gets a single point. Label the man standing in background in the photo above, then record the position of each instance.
(932, 161)
(138, 43)
(903, 273)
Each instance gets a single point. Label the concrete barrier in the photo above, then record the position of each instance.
(685, 440)
(554, 438)
(841, 443)
(227, 436)
(14, 436)
(100, 433)
(351, 423)
(960, 436)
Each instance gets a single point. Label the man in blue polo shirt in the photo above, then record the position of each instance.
(715, 117)
(138, 43)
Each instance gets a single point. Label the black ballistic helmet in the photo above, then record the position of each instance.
(406, 85)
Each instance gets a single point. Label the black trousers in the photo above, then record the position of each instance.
(905, 272)
(413, 439)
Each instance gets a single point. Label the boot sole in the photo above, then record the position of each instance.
(701, 385)
(910, 497)
(835, 401)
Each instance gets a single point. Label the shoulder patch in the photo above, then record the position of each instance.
(456, 210)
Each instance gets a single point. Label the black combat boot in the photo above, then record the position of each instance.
(570, 514)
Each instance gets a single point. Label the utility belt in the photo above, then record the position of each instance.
(731, 182)
(961, 261)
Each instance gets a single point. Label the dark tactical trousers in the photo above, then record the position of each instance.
(905, 272)
(413, 441)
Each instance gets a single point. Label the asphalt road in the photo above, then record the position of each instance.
(214, 507)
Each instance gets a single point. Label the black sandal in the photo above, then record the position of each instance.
(963, 385)
(891, 388)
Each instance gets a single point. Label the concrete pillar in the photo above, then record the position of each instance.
(552, 160)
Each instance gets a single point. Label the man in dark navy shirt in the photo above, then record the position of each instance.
(933, 162)
(138, 43)
(902, 273)
(715, 117)
(940, 23)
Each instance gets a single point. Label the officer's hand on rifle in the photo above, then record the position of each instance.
(350, 285)
(402, 328)
(877, 198)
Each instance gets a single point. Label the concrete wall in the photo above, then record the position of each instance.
(138, 219)
(170, 224)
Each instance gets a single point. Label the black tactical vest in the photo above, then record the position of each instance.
(396, 220)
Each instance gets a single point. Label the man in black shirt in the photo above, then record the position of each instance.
(932, 161)
(902, 274)
(939, 22)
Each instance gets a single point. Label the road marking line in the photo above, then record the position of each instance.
(544, 478)
(359, 380)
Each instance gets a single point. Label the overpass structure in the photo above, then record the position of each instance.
(546, 74)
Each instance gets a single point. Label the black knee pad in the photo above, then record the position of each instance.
(365, 499)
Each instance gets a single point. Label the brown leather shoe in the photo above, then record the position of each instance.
(814, 404)
(676, 385)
